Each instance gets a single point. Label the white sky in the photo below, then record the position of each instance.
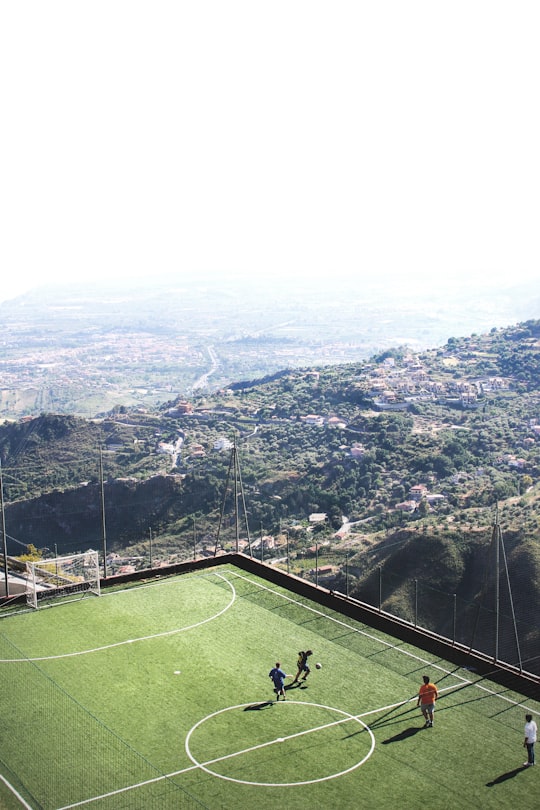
(390, 137)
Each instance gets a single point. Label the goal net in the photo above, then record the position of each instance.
(59, 577)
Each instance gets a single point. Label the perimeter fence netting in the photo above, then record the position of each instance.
(500, 622)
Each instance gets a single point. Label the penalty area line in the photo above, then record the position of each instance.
(151, 637)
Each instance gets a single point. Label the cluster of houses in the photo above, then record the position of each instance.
(417, 494)
(196, 450)
(396, 387)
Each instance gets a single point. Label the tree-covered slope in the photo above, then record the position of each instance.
(410, 457)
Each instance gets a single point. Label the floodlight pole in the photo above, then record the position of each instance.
(4, 540)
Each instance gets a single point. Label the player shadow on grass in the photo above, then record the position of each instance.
(296, 685)
(403, 735)
(390, 718)
(255, 707)
(505, 776)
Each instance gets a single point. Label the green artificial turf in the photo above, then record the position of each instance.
(158, 696)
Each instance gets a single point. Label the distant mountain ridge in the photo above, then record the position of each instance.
(83, 349)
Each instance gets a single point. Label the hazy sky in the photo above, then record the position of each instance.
(393, 137)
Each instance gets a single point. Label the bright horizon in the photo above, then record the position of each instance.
(397, 140)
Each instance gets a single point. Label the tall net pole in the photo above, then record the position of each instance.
(4, 539)
(103, 526)
(497, 542)
(238, 492)
(511, 599)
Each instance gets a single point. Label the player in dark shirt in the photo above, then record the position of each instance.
(303, 665)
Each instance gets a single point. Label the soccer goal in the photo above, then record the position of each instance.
(60, 577)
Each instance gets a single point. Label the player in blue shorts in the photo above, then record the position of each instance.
(278, 678)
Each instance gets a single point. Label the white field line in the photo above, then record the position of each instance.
(225, 757)
(344, 624)
(15, 793)
(382, 642)
(465, 681)
(127, 641)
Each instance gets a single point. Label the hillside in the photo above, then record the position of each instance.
(407, 458)
(84, 348)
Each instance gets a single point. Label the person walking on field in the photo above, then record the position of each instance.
(278, 678)
(427, 696)
(303, 665)
(531, 732)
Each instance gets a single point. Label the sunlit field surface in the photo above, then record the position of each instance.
(158, 696)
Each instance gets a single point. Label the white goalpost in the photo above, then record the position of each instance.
(59, 577)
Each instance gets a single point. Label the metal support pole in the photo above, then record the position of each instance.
(103, 529)
(4, 539)
(235, 488)
(497, 595)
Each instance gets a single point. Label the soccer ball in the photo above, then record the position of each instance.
(318, 666)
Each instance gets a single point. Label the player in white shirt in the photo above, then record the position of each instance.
(531, 731)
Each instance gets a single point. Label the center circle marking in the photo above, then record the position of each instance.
(208, 770)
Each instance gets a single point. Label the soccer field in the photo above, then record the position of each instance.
(158, 696)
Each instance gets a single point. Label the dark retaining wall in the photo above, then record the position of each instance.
(510, 677)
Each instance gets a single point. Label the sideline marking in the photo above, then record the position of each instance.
(465, 681)
(15, 793)
(129, 640)
(347, 715)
